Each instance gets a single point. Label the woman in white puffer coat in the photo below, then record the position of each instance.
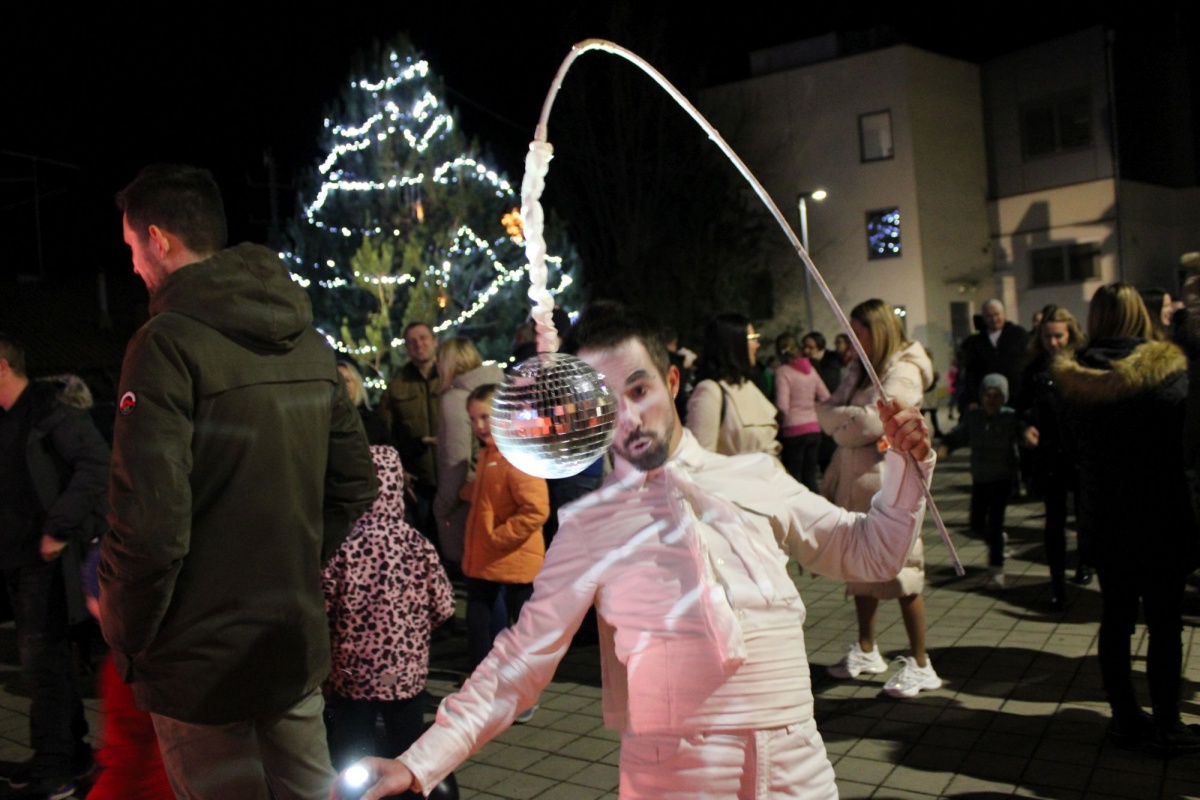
(853, 478)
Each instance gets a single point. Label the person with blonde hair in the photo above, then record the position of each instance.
(1125, 395)
(461, 369)
(851, 417)
(1054, 471)
(377, 430)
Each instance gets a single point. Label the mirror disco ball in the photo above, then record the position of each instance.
(553, 416)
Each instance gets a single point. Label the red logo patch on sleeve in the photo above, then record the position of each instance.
(128, 403)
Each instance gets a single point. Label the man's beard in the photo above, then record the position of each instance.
(653, 456)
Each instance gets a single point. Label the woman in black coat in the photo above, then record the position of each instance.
(1055, 474)
(1125, 396)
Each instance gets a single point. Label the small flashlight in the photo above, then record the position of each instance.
(354, 782)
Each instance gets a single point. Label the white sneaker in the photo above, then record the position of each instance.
(912, 679)
(856, 661)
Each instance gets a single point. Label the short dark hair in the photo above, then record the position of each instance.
(483, 393)
(607, 324)
(726, 356)
(817, 337)
(12, 351)
(417, 324)
(182, 199)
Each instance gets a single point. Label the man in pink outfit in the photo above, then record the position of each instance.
(683, 553)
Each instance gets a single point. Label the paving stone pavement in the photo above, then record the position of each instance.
(1021, 713)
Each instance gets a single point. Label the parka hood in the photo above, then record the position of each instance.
(914, 354)
(485, 373)
(1112, 370)
(245, 292)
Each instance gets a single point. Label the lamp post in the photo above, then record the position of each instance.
(802, 202)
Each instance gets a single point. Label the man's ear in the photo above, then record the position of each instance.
(673, 381)
(159, 240)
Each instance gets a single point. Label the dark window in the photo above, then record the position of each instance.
(1066, 263)
(875, 135)
(1056, 124)
(883, 233)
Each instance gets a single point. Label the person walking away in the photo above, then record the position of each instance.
(798, 390)
(239, 466)
(385, 591)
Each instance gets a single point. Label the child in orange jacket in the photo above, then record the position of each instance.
(504, 548)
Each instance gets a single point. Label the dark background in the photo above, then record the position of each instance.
(95, 95)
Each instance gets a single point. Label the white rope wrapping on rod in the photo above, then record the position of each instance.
(538, 162)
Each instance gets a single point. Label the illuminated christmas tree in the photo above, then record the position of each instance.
(405, 221)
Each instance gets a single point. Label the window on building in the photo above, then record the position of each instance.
(1056, 124)
(1065, 263)
(883, 233)
(875, 135)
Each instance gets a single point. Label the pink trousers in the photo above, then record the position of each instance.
(747, 765)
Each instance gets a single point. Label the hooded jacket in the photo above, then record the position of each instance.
(1124, 406)
(238, 466)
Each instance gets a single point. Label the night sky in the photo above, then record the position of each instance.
(103, 94)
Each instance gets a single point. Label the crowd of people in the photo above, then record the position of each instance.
(268, 553)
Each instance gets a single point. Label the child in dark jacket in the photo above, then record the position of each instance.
(992, 431)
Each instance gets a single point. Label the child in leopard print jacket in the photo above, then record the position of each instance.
(385, 592)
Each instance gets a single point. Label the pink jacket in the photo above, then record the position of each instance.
(798, 389)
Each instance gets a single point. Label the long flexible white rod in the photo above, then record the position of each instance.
(538, 163)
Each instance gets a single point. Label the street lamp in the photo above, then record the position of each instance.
(802, 202)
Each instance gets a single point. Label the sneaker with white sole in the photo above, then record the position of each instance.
(857, 662)
(911, 680)
(525, 715)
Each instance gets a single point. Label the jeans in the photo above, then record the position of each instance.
(56, 722)
(491, 607)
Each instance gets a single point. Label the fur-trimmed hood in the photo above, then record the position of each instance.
(1114, 370)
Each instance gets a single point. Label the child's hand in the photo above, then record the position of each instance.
(1031, 437)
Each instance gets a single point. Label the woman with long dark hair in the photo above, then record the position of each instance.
(727, 413)
(1125, 396)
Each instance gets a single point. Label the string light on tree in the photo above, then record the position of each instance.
(403, 220)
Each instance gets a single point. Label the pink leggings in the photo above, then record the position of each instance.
(748, 765)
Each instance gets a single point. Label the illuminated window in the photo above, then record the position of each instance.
(883, 233)
(1065, 263)
(875, 135)
(1056, 124)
